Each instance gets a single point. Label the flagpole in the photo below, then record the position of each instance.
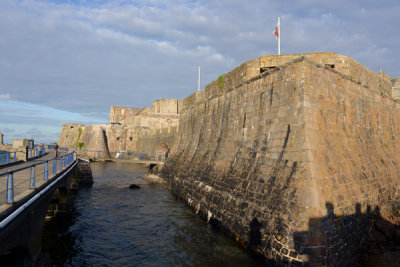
(279, 36)
(198, 84)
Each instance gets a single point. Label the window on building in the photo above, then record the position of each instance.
(131, 138)
(117, 138)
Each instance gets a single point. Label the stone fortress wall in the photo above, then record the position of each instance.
(396, 88)
(286, 153)
(167, 106)
(252, 68)
(118, 115)
(129, 130)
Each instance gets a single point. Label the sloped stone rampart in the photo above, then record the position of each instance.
(239, 159)
(69, 134)
(353, 132)
(287, 161)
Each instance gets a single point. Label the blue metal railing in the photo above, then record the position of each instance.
(130, 155)
(36, 152)
(29, 178)
(7, 157)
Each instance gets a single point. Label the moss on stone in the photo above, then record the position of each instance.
(221, 82)
(79, 134)
(78, 144)
(81, 145)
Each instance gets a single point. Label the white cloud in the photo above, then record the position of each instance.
(6, 130)
(33, 132)
(5, 96)
(84, 56)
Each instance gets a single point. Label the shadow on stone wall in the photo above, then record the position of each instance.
(255, 234)
(359, 239)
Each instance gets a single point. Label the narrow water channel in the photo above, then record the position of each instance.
(115, 226)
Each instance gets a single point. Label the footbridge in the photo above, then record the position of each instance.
(150, 160)
(26, 190)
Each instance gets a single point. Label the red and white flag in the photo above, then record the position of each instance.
(276, 32)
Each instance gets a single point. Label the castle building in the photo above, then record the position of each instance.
(163, 114)
(119, 114)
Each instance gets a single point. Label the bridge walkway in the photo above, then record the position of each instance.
(123, 156)
(47, 156)
(23, 182)
(141, 161)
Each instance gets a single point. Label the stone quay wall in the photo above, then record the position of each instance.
(287, 161)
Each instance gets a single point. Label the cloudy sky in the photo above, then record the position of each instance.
(70, 60)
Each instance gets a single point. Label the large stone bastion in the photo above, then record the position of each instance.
(290, 159)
